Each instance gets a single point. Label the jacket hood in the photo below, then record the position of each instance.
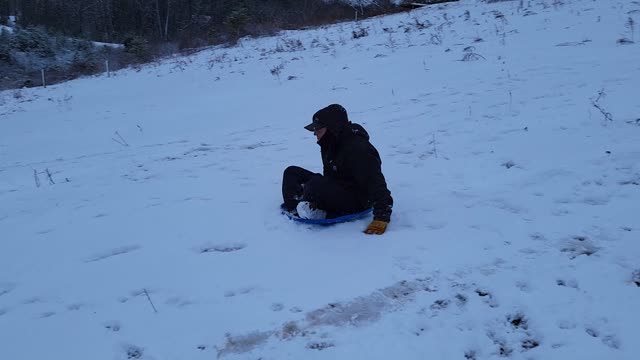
(358, 130)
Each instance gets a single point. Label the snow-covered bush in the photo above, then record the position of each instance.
(33, 39)
(84, 57)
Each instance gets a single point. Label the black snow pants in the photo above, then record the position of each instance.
(325, 193)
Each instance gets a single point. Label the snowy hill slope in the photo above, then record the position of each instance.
(139, 212)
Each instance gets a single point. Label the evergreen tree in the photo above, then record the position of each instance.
(5, 46)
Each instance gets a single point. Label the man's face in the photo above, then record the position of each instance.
(319, 133)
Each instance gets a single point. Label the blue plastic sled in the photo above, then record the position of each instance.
(336, 220)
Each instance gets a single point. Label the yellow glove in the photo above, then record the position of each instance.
(376, 227)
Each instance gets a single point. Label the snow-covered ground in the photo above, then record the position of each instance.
(139, 213)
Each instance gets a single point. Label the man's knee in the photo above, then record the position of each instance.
(315, 188)
(292, 172)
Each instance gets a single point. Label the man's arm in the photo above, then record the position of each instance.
(367, 172)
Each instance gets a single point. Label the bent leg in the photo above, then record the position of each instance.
(328, 195)
(292, 180)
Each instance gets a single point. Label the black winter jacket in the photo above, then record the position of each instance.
(349, 157)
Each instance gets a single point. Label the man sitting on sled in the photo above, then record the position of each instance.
(352, 179)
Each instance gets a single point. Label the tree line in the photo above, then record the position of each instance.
(189, 23)
(58, 36)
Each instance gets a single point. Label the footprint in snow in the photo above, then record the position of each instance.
(592, 332)
(609, 340)
(223, 248)
(319, 345)
(132, 351)
(503, 349)
(112, 326)
(635, 277)
(440, 304)
(6, 288)
(506, 344)
(509, 164)
(579, 245)
(529, 344)
(523, 286)
(113, 252)
(631, 181)
(179, 302)
(290, 330)
(195, 152)
(75, 306)
(243, 343)
(568, 283)
(277, 307)
(566, 324)
(470, 355)
(528, 251)
(560, 212)
(32, 300)
(241, 291)
(518, 321)
(595, 200)
(46, 314)
(538, 237)
(420, 329)
(505, 205)
(436, 225)
(461, 300)
(487, 298)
